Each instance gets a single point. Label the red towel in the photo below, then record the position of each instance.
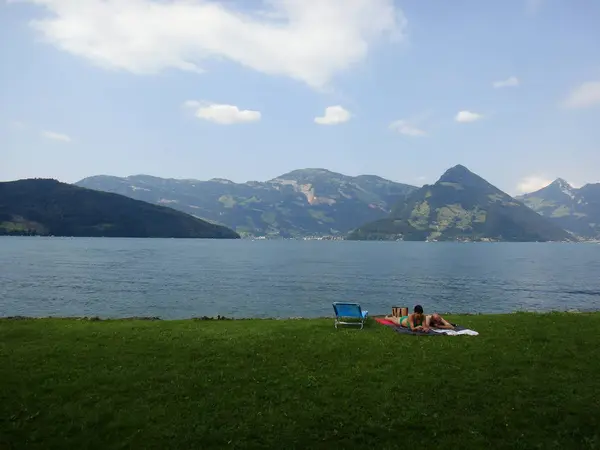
(385, 321)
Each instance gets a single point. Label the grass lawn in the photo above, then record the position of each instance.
(527, 381)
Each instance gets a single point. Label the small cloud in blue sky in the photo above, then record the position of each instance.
(334, 115)
(406, 128)
(509, 82)
(54, 136)
(222, 114)
(532, 183)
(467, 116)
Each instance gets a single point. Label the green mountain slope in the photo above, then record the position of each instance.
(461, 206)
(48, 207)
(300, 203)
(575, 210)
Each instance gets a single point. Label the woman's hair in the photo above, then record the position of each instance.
(418, 309)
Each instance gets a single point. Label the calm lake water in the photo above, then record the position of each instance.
(172, 278)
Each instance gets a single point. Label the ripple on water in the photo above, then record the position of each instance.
(186, 278)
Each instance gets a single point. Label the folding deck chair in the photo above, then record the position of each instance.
(349, 310)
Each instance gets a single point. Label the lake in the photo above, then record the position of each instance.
(172, 278)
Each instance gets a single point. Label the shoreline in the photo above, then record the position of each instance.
(225, 318)
(307, 239)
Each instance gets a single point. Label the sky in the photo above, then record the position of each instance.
(249, 90)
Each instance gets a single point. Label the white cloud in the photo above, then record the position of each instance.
(406, 128)
(509, 82)
(467, 116)
(334, 115)
(584, 96)
(56, 136)
(221, 113)
(532, 183)
(307, 40)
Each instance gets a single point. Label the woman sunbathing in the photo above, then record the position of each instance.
(415, 321)
(437, 321)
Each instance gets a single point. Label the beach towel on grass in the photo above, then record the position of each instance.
(458, 330)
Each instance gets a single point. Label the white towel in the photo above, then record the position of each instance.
(456, 333)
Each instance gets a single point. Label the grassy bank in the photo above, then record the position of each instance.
(527, 381)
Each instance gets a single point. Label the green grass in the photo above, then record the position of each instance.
(419, 216)
(250, 200)
(228, 201)
(269, 217)
(561, 211)
(456, 186)
(452, 215)
(20, 225)
(320, 216)
(527, 381)
(13, 226)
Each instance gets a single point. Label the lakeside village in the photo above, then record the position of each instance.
(342, 238)
(303, 238)
(398, 239)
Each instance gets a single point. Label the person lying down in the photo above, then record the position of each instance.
(418, 321)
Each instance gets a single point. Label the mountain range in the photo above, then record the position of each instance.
(316, 202)
(461, 206)
(575, 210)
(45, 207)
(307, 202)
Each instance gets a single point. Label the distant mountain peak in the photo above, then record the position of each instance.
(557, 187)
(459, 174)
(221, 180)
(307, 172)
(576, 210)
(455, 172)
(461, 206)
(561, 183)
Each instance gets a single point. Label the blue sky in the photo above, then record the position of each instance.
(248, 90)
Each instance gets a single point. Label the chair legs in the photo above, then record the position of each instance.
(361, 323)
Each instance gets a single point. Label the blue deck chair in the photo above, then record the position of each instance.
(350, 310)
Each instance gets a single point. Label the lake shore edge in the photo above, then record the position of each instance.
(226, 318)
